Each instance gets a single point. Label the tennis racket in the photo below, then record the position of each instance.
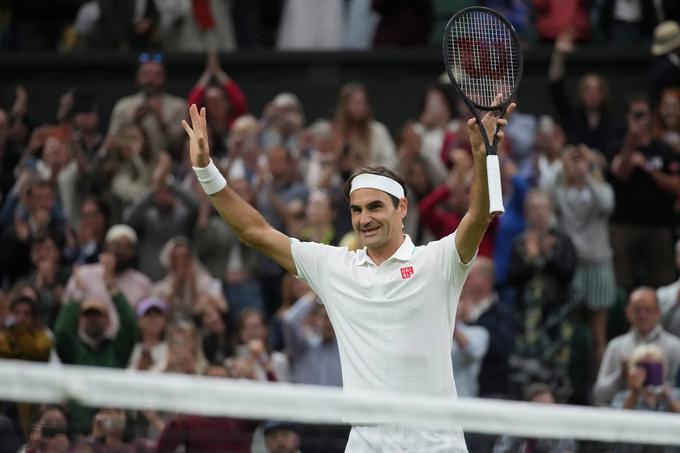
(484, 62)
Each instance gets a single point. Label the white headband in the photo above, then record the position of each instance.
(369, 181)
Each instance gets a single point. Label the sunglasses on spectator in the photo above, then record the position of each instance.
(150, 57)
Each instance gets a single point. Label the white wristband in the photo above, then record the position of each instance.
(210, 178)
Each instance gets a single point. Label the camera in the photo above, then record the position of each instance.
(50, 431)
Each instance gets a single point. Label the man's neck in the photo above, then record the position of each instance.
(382, 254)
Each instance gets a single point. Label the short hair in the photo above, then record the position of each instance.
(380, 171)
(637, 97)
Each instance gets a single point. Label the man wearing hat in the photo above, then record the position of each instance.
(665, 70)
(282, 437)
(81, 338)
(392, 304)
(115, 267)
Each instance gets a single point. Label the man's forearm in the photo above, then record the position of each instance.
(243, 219)
(477, 219)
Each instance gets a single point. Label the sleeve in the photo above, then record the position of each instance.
(478, 343)
(127, 333)
(609, 378)
(603, 194)
(172, 436)
(65, 331)
(429, 217)
(293, 326)
(445, 254)
(237, 98)
(309, 258)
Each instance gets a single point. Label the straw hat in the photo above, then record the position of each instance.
(666, 37)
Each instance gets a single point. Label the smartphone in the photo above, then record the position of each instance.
(653, 373)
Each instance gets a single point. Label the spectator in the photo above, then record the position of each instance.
(251, 335)
(665, 69)
(87, 242)
(324, 158)
(320, 213)
(223, 98)
(310, 24)
(187, 282)
(123, 174)
(150, 353)
(158, 113)
(116, 264)
(469, 347)
(281, 437)
(110, 433)
(185, 354)
(360, 23)
(311, 343)
(627, 22)
(484, 309)
(227, 258)
(50, 433)
(80, 334)
(646, 180)
(218, 343)
(9, 440)
(644, 314)
(403, 23)
(583, 203)
(436, 113)
(85, 122)
(368, 141)
(37, 214)
(166, 211)
(645, 390)
(666, 122)
(669, 300)
(243, 149)
(541, 268)
(199, 434)
(25, 338)
(557, 16)
(588, 121)
(48, 277)
(542, 394)
(282, 122)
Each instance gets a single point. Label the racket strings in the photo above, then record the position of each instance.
(483, 57)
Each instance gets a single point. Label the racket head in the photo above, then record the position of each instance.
(483, 57)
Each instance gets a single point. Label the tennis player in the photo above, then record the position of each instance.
(392, 304)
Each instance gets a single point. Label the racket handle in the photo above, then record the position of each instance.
(493, 176)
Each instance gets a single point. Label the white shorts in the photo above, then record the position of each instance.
(404, 439)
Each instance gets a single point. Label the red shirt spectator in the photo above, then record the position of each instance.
(199, 434)
(556, 16)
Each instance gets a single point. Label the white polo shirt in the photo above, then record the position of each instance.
(394, 324)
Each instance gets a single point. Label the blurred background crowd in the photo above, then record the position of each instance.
(191, 25)
(112, 255)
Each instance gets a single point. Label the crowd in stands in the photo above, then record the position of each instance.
(113, 256)
(226, 25)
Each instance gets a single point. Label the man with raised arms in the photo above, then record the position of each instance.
(392, 304)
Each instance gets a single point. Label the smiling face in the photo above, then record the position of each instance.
(376, 220)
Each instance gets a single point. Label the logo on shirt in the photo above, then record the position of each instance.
(406, 272)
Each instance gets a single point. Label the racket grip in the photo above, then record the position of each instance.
(493, 176)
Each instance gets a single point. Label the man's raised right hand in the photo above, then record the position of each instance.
(198, 137)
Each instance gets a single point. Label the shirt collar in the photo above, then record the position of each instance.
(403, 253)
(650, 337)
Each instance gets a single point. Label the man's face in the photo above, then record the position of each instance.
(280, 164)
(86, 121)
(216, 101)
(94, 323)
(283, 441)
(44, 251)
(124, 250)
(643, 311)
(151, 78)
(538, 212)
(42, 197)
(375, 219)
(639, 118)
(23, 314)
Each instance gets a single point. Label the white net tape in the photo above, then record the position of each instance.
(99, 387)
(482, 56)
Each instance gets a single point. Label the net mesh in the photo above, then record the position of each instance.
(171, 412)
(483, 57)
